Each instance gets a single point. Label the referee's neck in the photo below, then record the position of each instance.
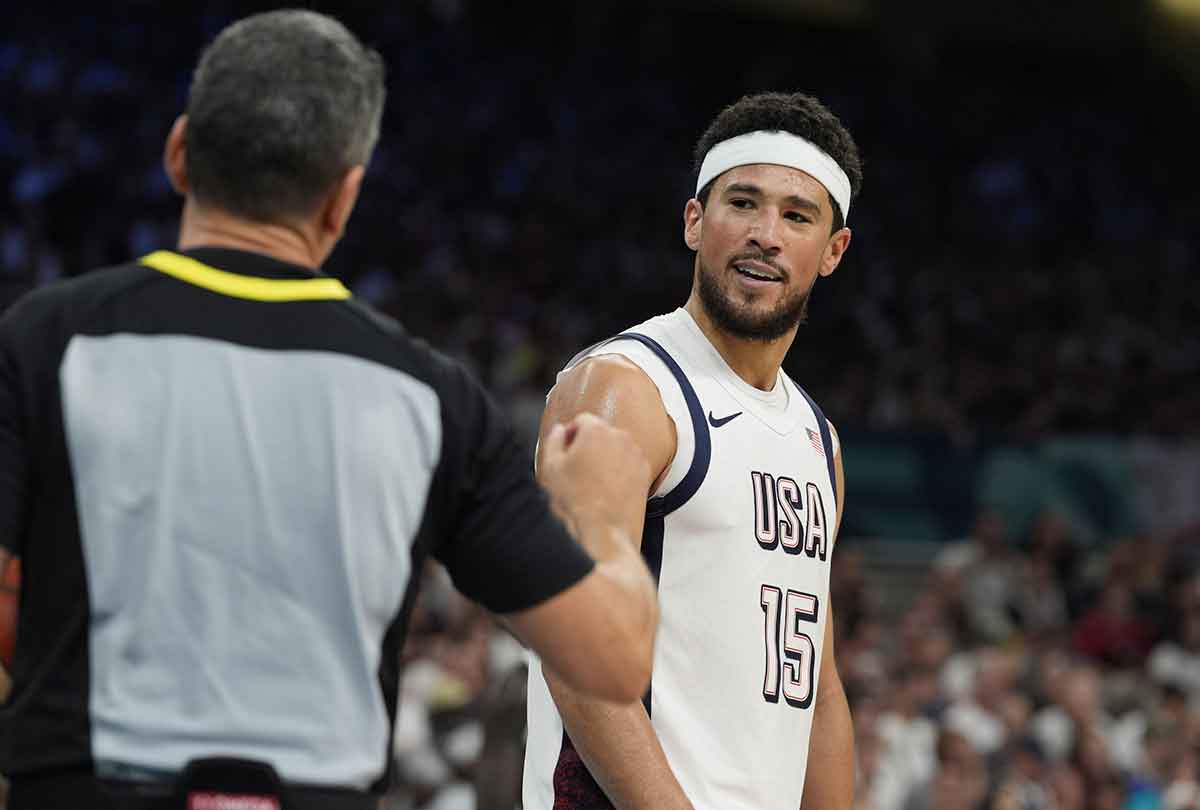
(296, 243)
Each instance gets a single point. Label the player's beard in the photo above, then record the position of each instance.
(741, 319)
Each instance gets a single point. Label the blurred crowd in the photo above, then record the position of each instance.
(1028, 674)
(1024, 253)
(1024, 263)
(1020, 673)
(459, 740)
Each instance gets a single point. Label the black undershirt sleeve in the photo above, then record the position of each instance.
(503, 546)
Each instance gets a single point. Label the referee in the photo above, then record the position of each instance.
(221, 475)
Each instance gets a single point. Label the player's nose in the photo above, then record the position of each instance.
(766, 231)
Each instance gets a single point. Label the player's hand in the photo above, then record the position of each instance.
(593, 471)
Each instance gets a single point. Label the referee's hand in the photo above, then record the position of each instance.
(593, 471)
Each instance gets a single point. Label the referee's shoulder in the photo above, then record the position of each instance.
(63, 300)
(447, 374)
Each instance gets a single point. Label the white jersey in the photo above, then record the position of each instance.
(738, 535)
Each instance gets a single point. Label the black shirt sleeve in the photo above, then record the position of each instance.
(14, 458)
(503, 546)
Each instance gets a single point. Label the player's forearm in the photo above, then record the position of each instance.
(618, 744)
(829, 783)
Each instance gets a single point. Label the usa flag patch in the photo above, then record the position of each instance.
(815, 439)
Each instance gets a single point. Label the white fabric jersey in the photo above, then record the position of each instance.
(739, 536)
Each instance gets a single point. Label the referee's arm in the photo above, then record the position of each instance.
(579, 594)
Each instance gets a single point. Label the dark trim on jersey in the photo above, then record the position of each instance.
(652, 550)
(696, 473)
(574, 786)
(685, 489)
(652, 544)
(826, 442)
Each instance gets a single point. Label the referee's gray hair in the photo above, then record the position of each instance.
(282, 104)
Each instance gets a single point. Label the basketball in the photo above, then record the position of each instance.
(9, 588)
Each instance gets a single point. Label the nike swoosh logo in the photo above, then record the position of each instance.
(712, 420)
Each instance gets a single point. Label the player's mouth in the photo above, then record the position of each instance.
(757, 271)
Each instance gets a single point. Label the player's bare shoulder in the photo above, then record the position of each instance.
(617, 390)
(610, 379)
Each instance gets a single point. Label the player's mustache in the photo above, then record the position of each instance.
(758, 256)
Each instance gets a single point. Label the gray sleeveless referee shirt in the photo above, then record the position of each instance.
(222, 475)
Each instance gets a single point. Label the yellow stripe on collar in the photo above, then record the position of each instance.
(251, 288)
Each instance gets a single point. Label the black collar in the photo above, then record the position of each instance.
(248, 263)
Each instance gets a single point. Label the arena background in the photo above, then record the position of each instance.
(1010, 349)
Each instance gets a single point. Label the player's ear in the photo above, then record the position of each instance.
(175, 156)
(835, 249)
(340, 202)
(693, 217)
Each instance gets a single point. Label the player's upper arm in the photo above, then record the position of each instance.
(620, 392)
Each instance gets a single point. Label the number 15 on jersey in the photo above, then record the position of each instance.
(784, 622)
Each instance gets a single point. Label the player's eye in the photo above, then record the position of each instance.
(741, 202)
(796, 216)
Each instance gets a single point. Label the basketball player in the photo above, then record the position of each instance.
(745, 709)
(221, 475)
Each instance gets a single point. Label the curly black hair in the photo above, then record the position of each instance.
(796, 113)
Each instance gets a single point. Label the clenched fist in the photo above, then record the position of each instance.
(592, 469)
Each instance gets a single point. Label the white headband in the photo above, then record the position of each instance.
(783, 149)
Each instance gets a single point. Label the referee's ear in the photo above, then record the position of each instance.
(175, 156)
(340, 203)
